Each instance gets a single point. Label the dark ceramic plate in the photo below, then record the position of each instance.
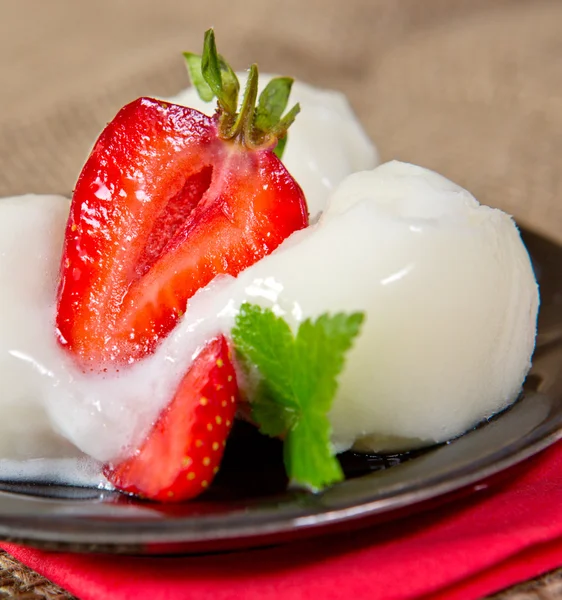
(248, 505)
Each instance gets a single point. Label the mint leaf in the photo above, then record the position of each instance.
(320, 349)
(267, 342)
(274, 419)
(307, 453)
(193, 63)
(298, 384)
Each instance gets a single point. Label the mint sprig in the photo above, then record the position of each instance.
(254, 126)
(298, 383)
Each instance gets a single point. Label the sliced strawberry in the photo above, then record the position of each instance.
(162, 206)
(168, 199)
(182, 453)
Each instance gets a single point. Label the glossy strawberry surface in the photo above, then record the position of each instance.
(181, 455)
(161, 207)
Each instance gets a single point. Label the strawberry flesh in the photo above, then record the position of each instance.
(162, 206)
(168, 222)
(181, 455)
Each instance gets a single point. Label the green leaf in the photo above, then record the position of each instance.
(267, 342)
(230, 85)
(210, 67)
(271, 105)
(193, 62)
(298, 384)
(252, 126)
(273, 102)
(281, 129)
(219, 75)
(280, 148)
(308, 455)
(320, 350)
(274, 419)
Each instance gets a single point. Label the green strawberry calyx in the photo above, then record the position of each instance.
(255, 126)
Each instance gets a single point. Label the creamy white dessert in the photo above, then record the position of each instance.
(446, 285)
(32, 231)
(326, 142)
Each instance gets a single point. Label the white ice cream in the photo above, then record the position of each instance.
(446, 284)
(326, 142)
(32, 231)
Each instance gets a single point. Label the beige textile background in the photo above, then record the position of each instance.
(471, 88)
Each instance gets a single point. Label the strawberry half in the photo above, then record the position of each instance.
(168, 199)
(182, 453)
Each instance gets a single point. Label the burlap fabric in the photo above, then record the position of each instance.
(470, 88)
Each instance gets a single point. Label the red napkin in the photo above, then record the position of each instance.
(496, 537)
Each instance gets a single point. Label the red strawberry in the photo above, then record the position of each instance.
(182, 453)
(168, 199)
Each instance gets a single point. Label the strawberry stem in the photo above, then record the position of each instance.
(253, 128)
